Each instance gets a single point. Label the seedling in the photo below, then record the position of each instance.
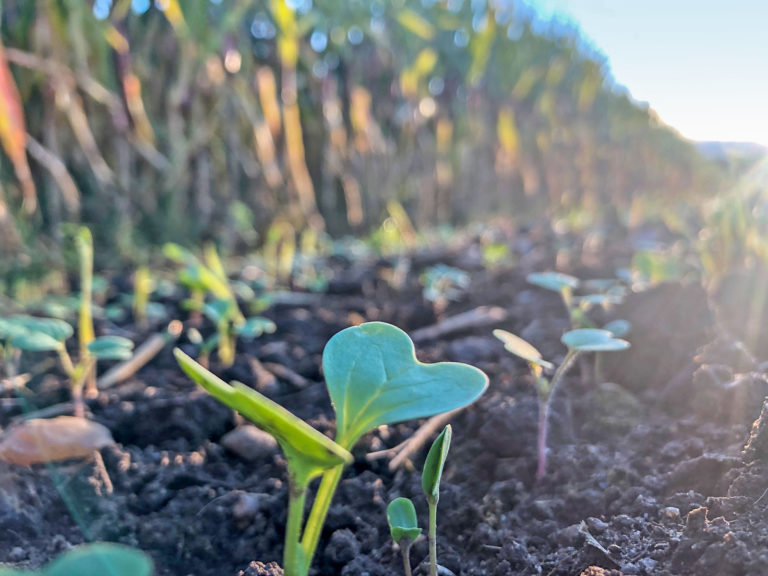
(374, 379)
(31, 334)
(443, 284)
(401, 513)
(430, 484)
(578, 342)
(142, 290)
(99, 559)
(600, 292)
(212, 295)
(403, 526)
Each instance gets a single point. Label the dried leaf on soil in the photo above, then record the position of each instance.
(51, 440)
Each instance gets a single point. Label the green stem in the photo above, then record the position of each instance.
(545, 402)
(406, 550)
(316, 519)
(294, 562)
(432, 538)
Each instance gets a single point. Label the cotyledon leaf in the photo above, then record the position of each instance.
(403, 524)
(555, 281)
(374, 378)
(593, 340)
(309, 452)
(522, 349)
(97, 559)
(434, 464)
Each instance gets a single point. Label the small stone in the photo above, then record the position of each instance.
(247, 506)
(250, 443)
(670, 513)
(596, 526)
(17, 554)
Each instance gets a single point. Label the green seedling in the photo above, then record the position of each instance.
(98, 559)
(374, 379)
(443, 283)
(142, 290)
(85, 330)
(578, 342)
(403, 526)
(600, 292)
(430, 484)
(212, 295)
(31, 334)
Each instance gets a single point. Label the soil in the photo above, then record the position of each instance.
(648, 470)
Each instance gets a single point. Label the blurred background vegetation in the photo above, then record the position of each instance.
(234, 120)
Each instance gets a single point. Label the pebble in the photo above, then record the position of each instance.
(249, 442)
(670, 513)
(596, 526)
(17, 554)
(247, 506)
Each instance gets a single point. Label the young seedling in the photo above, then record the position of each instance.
(142, 290)
(430, 484)
(374, 379)
(403, 526)
(600, 292)
(578, 342)
(208, 281)
(98, 559)
(32, 334)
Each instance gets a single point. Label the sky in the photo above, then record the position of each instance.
(701, 65)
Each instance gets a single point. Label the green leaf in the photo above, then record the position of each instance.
(255, 326)
(434, 464)
(35, 342)
(308, 451)
(99, 559)
(13, 326)
(111, 348)
(554, 281)
(217, 310)
(403, 524)
(593, 340)
(619, 328)
(601, 299)
(374, 378)
(522, 349)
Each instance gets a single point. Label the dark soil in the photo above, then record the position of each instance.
(648, 469)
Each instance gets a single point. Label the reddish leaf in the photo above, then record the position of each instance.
(13, 134)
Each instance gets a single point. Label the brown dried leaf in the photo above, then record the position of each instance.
(53, 439)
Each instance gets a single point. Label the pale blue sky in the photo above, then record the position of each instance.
(702, 65)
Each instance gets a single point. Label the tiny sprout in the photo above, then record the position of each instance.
(32, 334)
(602, 292)
(578, 342)
(430, 483)
(212, 294)
(373, 379)
(403, 526)
(98, 559)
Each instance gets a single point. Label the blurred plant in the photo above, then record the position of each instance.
(212, 295)
(31, 334)
(443, 283)
(97, 559)
(143, 286)
(577, 341)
